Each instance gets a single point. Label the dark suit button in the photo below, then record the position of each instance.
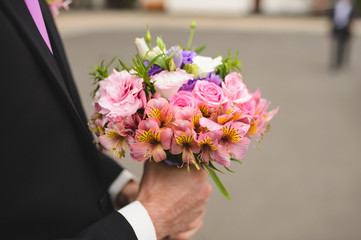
(103, 202)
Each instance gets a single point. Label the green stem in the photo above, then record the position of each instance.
(191, 35)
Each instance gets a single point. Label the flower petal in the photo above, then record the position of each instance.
(140, 151)
(158, 153)
(238, 150)
(221, 156)
(166, 138)
(211, 125)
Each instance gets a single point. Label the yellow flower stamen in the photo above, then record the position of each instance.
(229, 111)
(183, 140)
(204, 110)
(253, 128)
(112, 134)
(148, 136)
(207, 141)
(154, 113)
(231, 134)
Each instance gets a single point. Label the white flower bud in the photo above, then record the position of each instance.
(141, 47)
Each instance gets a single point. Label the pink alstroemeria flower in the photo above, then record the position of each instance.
(96, 124)
(232, 138)
(152, 141)
(260, 116)
(160, 109)
(186, 113)
(226, 113)
(115, 139)
(211, 150)
(184, 142)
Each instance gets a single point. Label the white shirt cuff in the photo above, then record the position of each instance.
(139, 219)
(123, 178)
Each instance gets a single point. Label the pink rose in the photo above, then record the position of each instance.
(235, 89)
(121, 95)
(183, 99)
(209, 93)
(168, 83)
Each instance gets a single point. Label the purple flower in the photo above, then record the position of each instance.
(212, 77)
(189, 85)
(154, 69)
(177, 57)
(188, 57)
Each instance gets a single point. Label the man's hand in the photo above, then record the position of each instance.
(175, 200)
(191, 229)
(127, 195)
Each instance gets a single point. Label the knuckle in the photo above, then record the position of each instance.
(201, 224)
(208, 189)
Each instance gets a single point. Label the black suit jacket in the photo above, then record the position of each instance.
(53, 181)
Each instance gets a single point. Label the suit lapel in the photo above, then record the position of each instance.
(61, 59)
(24, 22)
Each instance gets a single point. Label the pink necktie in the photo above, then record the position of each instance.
(35, 11)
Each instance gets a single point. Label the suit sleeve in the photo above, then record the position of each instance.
(112, 227)
(109, 170)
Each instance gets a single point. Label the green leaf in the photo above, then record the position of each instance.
(236, 160)
(98, 74)
(110, 63)
(229, 64)
(153, 61)
(229, 170)
(123, 65)
(200, 49)
(172, 54)
(213, 167)
(218, 182)
(161, 62)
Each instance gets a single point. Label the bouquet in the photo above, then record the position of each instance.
(175, 106)
(56, 5)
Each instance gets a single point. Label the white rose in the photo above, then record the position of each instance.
(206, 64)
(168, 83)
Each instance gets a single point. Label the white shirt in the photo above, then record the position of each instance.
(342, 14)
(135, 213)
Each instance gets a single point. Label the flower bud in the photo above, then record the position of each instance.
(141, 47)
(192, 69)
(172, 65)
(193, 24)
(148, 37)
(160, 44)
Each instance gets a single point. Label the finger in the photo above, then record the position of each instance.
(192, 228)
(196, 221)
(188, 233)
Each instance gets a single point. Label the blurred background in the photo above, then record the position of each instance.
(305, 181)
